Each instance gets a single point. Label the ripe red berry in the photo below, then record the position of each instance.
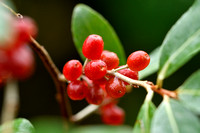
(101, 81)
(93, 47)
(95, 69)
(111, 114)
(110, 58)
(115, 87)
(21, 62)
(25, 27)
(72, 70)
(95, 95)
(4, 65)
(129, 73)
(138, 60)
(76, 90)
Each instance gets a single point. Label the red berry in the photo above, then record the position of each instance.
(4, 64)
(95, 69)
(129, 73)
(115, 87)
(93, 47)
(138, 60)
(110, 58)
(72, 70)
(25, 27)
(101, 81)
(21, 62)
(111, 114)
(95, 95)
(76, 90)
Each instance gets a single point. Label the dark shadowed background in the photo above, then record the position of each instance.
(140, 25)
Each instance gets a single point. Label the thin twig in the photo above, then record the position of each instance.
(10, 102)
(146, 84)
(120, 68)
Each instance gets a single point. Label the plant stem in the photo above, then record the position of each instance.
(10, 102)
(60, 84)
(146, 84)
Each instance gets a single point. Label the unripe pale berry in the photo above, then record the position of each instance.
(111, 114)
(95, 69)
(138, 60)
(110, 58)
(76, 90)
(72, 70)
(95, 95)
(93, 47)
(115, 87)
(129, 73)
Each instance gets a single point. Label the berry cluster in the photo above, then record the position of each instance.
(93, 83)
(16, 58)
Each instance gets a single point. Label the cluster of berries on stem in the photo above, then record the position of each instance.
(16, 58)
(95, 81)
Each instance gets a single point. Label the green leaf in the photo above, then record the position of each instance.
(86, 21)
(102, 129)
(19, 125)
(181, 43)
(153, 66)
(145, 115)
(189, 92)
(172, 117)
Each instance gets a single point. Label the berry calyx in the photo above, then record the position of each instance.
(76, 90)
(111, 114)
(110, 58)
(93, 47)
(138, 60)
(129, 73)
(95, 94)
(115, 87)
(95, 69)
(72, 70)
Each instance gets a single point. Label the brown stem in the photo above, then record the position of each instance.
(163, 92)
(61, 95)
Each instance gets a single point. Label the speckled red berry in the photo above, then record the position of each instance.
(129, 73)
(110, 58)
(138, 60)
(93, 47)
(95, 95)
(72, 70)
(76, 90)
(95, 69)
(111, 114)
(115, 87)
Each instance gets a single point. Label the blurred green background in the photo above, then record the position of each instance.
(140, 25)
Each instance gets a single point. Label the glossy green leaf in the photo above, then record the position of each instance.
(19, 125)
(189, 92)
(144, 118)
(173, 117)
(153, 66)
(181, 43)
(102, 129)
(86, 21)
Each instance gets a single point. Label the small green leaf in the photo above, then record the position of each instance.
(189, 92)
(145, 115)
(172, 117)
(19, 125)
(101, 129)
(181, 43)
(86, 21)
(153, 66)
